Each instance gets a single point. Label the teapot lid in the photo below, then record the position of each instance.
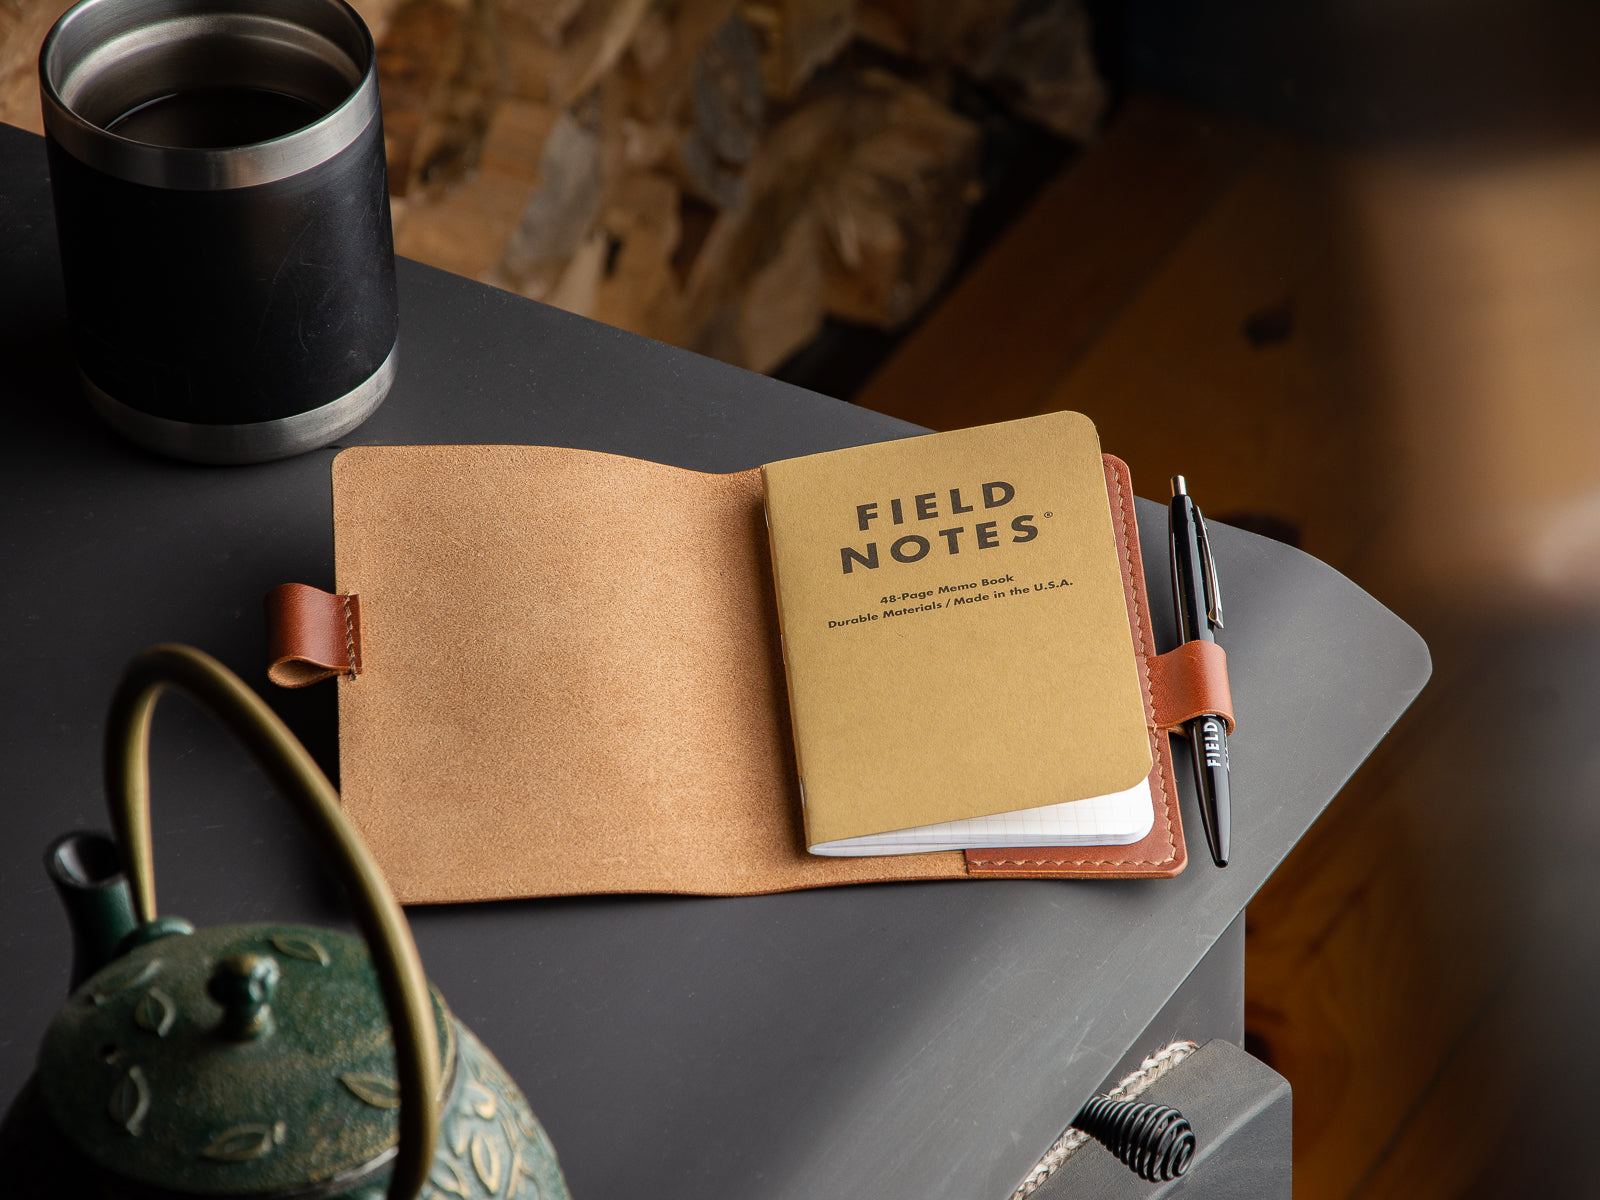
(238, 1060)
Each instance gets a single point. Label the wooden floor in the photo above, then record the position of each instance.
(1392, 360)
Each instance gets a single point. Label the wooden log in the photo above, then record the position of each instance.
(421, 51)
(728, 103)
(727, 110)
(579, 278)
(652, 41)
(609, 107)
(895, 212)
(638, 289)
(864, 250)
(1037, 56)
(464, 230)
(376, 14)
(782, 306)
(697, 167)
(951, 32)
(546, 19)
(797, 37)
(556, 51)
(439, 72)
(1042, 65)
(875, 164)
(456, 129)
(879, 24)
(645, 146)
(515, 139)
(780, 182)
(592, 43)
(560, 212)
(661, 62)
(22, 29)
(529, 45)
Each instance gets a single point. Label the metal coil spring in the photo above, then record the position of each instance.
(1153, 1140)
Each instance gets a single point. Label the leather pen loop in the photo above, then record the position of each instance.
(1189, 682)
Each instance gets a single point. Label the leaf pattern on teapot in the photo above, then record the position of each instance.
(486, 1162)
(120, 981)
(241, 1143)
(299, 946)
(453, 1182)
(130, 1101)
(380, 1091)
(491, 1146)
(155, 1012)
(481, 1101)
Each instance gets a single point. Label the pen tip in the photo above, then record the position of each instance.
(1179, 488)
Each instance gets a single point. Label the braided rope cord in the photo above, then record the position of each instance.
(1150, 1070)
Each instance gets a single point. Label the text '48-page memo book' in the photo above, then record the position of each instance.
(565, 670)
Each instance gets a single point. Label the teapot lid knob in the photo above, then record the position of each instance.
(244, 985)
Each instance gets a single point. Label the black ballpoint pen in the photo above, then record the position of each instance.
(1197, 602)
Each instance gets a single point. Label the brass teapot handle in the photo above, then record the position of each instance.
(295, 772)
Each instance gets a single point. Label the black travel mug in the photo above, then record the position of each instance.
(222, 209)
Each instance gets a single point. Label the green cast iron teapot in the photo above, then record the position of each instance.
(261, 1061)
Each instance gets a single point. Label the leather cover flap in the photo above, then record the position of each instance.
(607, 715)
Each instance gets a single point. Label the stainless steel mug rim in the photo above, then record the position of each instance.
(94, 25)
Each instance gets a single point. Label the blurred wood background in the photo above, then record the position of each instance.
(1385, 356)
(719, 174)
(1379, 353)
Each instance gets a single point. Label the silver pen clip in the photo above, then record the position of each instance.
(1213, 592)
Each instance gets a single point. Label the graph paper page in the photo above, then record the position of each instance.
(1118, 819)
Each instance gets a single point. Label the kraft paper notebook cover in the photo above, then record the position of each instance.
(571, 682)
(956, 640)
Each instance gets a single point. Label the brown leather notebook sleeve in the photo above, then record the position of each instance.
(570, 682)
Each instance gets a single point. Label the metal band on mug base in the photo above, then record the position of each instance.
(261, 441)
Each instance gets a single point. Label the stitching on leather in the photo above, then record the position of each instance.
(1129, 567)
(1157, 774)
(1156, 705)
(1160, 778)
(350, 653)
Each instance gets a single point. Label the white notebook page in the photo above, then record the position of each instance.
(1118, 819)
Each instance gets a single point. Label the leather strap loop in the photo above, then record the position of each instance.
(1189, 682)
(311, 635)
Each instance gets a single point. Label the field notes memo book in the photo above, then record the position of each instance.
(960, 666)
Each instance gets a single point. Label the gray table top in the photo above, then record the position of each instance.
(908, 1040)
